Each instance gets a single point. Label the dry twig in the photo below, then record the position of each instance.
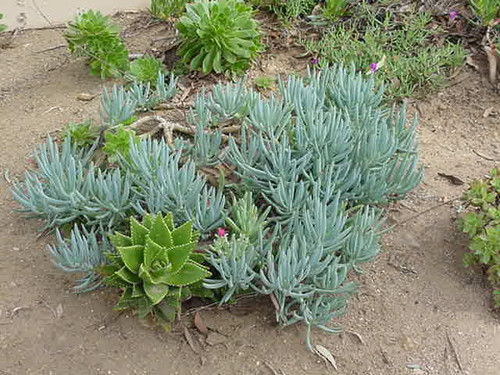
(455, 352)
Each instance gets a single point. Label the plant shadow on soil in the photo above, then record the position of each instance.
(413, 298)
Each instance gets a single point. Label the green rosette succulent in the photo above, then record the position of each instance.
(156, 267)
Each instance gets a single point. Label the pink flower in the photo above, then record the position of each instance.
(373, 67)
(453, 15)
(221, 232)
(314, 61)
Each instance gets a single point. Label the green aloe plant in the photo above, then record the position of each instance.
(154, 266)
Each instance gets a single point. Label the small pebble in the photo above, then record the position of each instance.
(85, 97)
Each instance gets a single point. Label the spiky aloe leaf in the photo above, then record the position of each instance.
(138, 232)
(169, 220)
(160, 233)
(197, 257)
(148, 220)
(126, 300)
(155, 292)
(153, 251)
(144, 307)
(153, 277)
(189, 274)
(166, 310)
(138, 291)
(126, 275)
(119, 239)
(179, 255)
(182, 234)
(132, 256)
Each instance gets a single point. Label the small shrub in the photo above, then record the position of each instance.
(308, 169)
(334, 9)
(156, 267)
(218, 35)
(93, 35)
(83, 134)
(399, 56)
(146, 69)
(167, 9)
(486, 10)
(482, 225)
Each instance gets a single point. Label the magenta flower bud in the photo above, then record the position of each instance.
(221, 232)
(453, 15)
(373, 67)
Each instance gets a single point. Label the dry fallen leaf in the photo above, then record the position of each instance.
(189, 340)
(199, 324)
(325, 354)
(215, 338)
(453, 179)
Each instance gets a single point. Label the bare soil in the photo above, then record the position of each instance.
(418, 311)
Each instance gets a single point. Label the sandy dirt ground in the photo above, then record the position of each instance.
(418, 311)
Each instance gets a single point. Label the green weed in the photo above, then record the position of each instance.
(145, 69)
(167, 9)
(82, 134)
(264, 82)
(482, 225)
(400, 56)
(486, 10)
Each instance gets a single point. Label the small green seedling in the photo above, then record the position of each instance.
(2, 26)
(264, 83)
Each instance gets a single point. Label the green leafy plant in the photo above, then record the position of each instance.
(401, 57)
(482, 225)
(92, 35)
(146, 69)
(2, 26)
(218, 35)
(334, 9)
(264, 82)
(117, 143)
(155, 266)
(83, 134)
(167, 9)
(486, 10)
